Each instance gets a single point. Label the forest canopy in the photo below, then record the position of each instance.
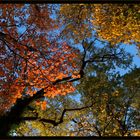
(59, 70)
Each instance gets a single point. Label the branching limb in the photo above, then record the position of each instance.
(53, 122)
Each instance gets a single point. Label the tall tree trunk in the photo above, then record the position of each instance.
(13, 116)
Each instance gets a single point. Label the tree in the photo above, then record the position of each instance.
(33, 66)
(114, 107)
(94, 100)
(103, 87)
(116, 23)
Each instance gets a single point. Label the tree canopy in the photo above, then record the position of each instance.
(50, 50)
(113, 22)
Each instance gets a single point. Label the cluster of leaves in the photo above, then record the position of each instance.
(115, 112)
(29, 61)
(113, 22)
(76, 19)
(118, 23)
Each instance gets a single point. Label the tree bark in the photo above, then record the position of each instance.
(14, 115)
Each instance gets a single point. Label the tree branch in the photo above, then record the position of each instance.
(53, 122)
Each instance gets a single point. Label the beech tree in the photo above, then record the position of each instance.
(31, 65)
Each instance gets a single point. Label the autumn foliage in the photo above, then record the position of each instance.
(29, 61)
(116, 23)
(45, 48)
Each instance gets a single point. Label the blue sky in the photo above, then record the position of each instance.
(132, 49)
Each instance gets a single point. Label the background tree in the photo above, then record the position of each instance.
(115, 111)
(116, 23)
